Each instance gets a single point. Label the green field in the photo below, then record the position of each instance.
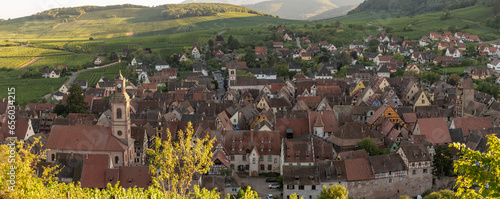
(93, 76)
(30, 90)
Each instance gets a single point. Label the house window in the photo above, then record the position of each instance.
(425, 170)
(120, 133)
(313, 187)
(244, 158)
(261, 158)
(400, 179)
(275, 160)
(376, 182)
(262, 167)
(290, 187)
(232, 158)
(301, 187)
(232, 166)
(116, 159)
(253, 160)
(423, 101)
(269, 158)
(414, 172)
(269, 167)
(119, 113)
(53, 157)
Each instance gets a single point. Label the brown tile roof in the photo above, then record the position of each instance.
(83, 138)
(81, 116)
(358, 169)
(266, 142)
(300, 175)
(130, 176)
(415, 152)
(328, 119)
(410, 117)
(387, 163)
(21, 128)
(40, 107)
(351, 133)
(435, 130)
(469, 124)
(353, 154)
(94, 170)
(311, 101)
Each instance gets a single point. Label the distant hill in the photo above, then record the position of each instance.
(336, 12)
(131, 20)
(235, 2)
(300, 9)
(414, 7)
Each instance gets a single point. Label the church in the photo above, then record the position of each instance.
(116, 142)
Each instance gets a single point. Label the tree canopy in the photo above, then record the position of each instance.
(333, 192)
(476, 169)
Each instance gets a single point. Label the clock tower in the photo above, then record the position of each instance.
(120, 108)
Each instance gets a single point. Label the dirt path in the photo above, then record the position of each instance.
(29, 63)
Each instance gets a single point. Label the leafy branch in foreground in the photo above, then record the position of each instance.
(478, 170)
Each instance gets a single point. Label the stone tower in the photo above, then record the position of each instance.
(120, 108)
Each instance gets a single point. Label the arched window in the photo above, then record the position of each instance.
(119, 113)
(116, 159)
(275, 160)
(253, 160)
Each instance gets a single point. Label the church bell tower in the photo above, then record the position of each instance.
(120, 108)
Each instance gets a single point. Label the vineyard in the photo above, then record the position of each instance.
(30, 90)
(93, 76)
(13, 57)
(72, 61)
(13, 62)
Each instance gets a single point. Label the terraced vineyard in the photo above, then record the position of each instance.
(13, 57)
(72, 61)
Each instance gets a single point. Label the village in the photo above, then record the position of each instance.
(291, 125)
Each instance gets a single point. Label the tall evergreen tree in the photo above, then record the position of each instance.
(76, 100)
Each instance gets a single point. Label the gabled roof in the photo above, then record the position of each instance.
(95, 138)
(387, 163)
(435, 130)
(94, 170)
(358, 169)
(469, 124)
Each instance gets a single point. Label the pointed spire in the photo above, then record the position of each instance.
(121, 76)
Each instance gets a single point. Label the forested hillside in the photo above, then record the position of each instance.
(176, 11)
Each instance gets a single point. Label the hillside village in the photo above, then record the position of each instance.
(299, 109)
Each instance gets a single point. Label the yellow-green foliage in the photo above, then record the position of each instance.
(481, 170)
(29, 185)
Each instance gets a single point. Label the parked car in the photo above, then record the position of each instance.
(274, 186)
(271, 180)
(270, 196)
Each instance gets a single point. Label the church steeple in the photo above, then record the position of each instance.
(120, 107)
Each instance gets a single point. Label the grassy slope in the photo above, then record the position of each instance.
(125, 22)
(473, 16)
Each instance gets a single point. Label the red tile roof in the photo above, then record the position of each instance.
(83, 138)
(435, 130)
(358, 169)
(470, 124)
(94, 170)
(130, 176)
(328, 119)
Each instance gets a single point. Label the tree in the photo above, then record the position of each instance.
(369, 146)
(454, 79)
(219, 38)
(388, 29)
(478, 169)
(113, 56)
(179, 160)
(429, 77)
(246, 193)
(250, 58)
(442, 194)
(373, 45)
(333, 192)
(76, 100)
(442, 162)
